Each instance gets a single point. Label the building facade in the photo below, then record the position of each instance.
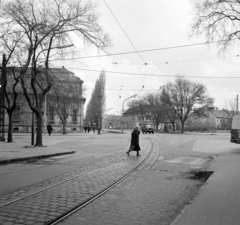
(23, 115)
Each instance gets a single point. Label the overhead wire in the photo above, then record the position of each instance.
(154, 75)
(124, 31)
(128, 40)
(146, 50)
(112, 89)
(160, 63)
(170, 62)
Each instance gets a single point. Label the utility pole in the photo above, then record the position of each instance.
(237, 104)
(123, 108)
(33, 121)
(2, 116)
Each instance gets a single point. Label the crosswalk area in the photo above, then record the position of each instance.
(194, 162)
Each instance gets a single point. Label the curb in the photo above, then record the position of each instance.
(183, 211)
(8, 161)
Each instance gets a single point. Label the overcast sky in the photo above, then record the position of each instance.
(152, 25)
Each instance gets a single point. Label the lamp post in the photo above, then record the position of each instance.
(33, 121)
(123, 108)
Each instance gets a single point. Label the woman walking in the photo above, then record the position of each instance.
(49, 129)
(134, 142)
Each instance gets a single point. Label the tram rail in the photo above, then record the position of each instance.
(97, 166)
(82, 205)
(53, 190)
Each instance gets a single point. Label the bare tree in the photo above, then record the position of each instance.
(149, 107)
(230, 110)
(9, 43)
(62, 97)
(140, 109)
(90, 117)
(170, 114)
(96, 105)
(218, 20)
(199, 123)
(11, 92)
(155, 107)
(47, 28)
(186, 98)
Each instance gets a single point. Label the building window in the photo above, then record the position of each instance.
(74, 116)
(16, 113)
(51, 115)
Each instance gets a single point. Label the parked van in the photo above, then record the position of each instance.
(235, 129)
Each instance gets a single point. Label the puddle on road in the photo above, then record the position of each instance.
(200, 175)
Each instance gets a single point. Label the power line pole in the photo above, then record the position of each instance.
(237, 104)
(33, 121)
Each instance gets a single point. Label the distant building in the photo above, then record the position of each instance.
(213, 120)
(22, 118)
(130, 120)
(221, 118)
(112, 121)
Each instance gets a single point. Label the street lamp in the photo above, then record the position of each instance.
(123, 107)
(33, 121)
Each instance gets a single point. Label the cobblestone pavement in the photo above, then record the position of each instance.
(88, 148)
(50, 182)
(154, 194)
(149, 196)
(46, 206)
(137, 201)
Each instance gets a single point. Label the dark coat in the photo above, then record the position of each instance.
(135, 141)
(49, 128)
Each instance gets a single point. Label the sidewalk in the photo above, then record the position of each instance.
(21, 150)
(219, 199)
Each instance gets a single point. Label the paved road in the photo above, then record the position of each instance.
(153, 195)
(156, 195)
(89, 148)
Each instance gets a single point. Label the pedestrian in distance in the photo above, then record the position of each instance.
(49, 129)
(88, 129)
(85, 129)
(134, 146)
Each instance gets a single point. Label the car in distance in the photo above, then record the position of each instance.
(148, 129)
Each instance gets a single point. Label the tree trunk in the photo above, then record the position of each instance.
(182, 128)
(39, 131)
(173, 124)
(10, 125)
(64, 130)
(156, 124)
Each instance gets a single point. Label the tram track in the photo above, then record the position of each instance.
(62, 199)
(82, 205)
(97, 165)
